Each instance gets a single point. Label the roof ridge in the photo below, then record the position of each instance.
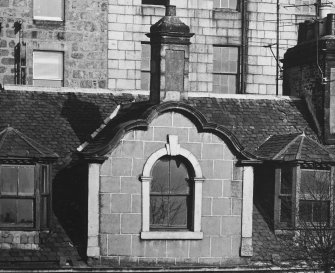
(286, 147)
(5, 132)
(303, 136)
(101, 127)
(29, 141)
(321, 146)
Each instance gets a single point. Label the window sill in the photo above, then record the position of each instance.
(168, 235)
(226, 10)
(46, 18)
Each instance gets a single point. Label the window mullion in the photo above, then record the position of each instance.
(331, 196)
(168, 197)
(37, 209)
(296, 179)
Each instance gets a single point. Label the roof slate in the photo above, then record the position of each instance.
(58, 121)
(14, 144)
(63, 121)
(294, 147)
(246, 122)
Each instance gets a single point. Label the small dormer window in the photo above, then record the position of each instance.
(24, 196)
(303, 196)
(25, 187)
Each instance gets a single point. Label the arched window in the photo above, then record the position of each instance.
(171, 194)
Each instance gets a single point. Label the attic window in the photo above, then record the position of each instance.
(303, 196)
(24, 196)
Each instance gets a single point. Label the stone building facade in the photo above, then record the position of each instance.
(72, 41)
(121, 197)
(240, 32)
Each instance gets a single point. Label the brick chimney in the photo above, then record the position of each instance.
(170, 41)
(309, 72)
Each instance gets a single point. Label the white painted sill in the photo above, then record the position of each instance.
(45, 18)
(168, 235)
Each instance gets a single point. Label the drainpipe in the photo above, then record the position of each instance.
(244, 48)
(277, 51)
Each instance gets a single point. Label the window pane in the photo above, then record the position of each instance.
(285, 209)
(224, 84)
(26, 180)
(7, 211)
(233, 4)
(160, 176)
(25, 212)
(305, 211)
(145, 80)
(145, 67)
(159, 211)
(321, 211)
(53, 9)
(48, 65)
(179, 177)
(315, 182)
(178, 211)
(44, 212)
(45, 180)
(145, 58)
(225, 59)
(286, 181)
(9, 180)
(217, 3)
(48, 83)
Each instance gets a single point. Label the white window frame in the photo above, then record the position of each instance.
(49, 51)
(296, 195)
(145, 70)
(221, 6)
(49, 18)
(172, 148)
(236, 74)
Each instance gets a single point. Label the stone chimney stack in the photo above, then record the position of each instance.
(170, 41)
(309, 72)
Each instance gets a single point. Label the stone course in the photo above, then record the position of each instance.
(120, 198)
(82, 36)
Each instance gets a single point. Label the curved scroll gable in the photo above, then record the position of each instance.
(101, 146)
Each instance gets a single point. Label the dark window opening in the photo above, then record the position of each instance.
(171, 195)
(154, 2)
(20, 189)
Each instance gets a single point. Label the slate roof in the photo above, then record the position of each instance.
(294, 147)
(14, 144)
(63, 121)
(247, 123)
(58, 121)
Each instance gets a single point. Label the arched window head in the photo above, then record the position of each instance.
(171, 194)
